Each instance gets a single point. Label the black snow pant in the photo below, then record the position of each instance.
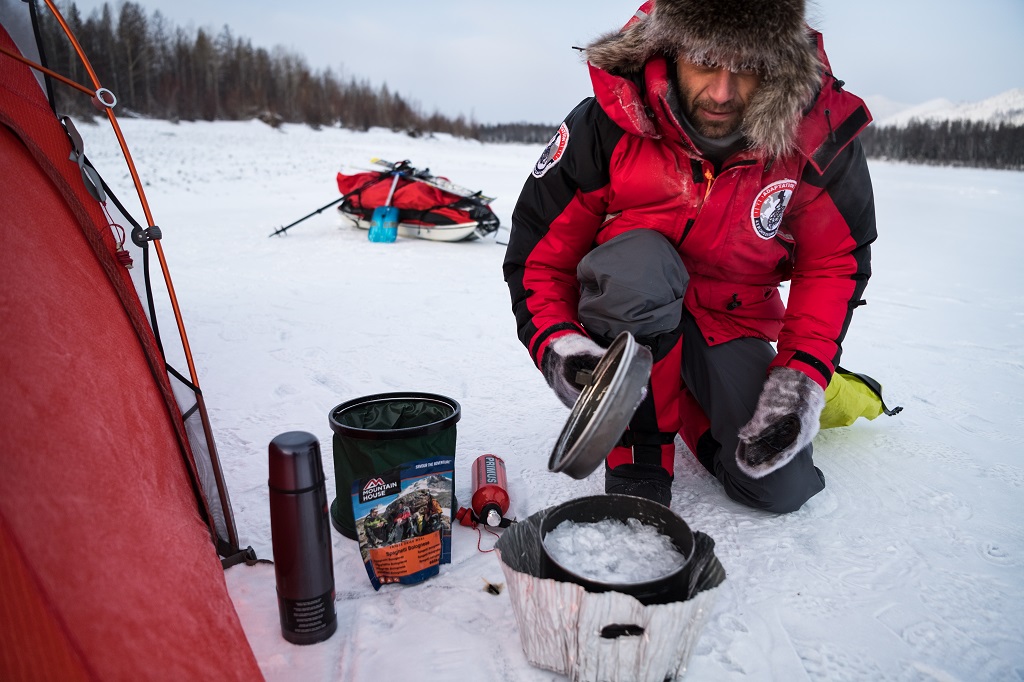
(635, 282)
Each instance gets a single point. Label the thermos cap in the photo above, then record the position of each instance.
(295, 463)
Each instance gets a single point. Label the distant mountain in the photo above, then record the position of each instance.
(1007, 107)
(882, 107)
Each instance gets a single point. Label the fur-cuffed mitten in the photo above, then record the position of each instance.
(784, 422)
(563, 359)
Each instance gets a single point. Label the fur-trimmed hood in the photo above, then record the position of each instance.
(769, 37)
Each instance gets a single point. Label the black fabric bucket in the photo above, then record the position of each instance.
(378, 432)
(673, 586)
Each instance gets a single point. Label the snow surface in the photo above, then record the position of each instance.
(908, 566)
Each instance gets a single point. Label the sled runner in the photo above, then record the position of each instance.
(409, 228)
(429, 207)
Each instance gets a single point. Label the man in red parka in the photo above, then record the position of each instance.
(717, 159)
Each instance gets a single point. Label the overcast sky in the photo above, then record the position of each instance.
(511, 60)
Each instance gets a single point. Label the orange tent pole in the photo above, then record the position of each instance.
(108, 108)
(100, 99)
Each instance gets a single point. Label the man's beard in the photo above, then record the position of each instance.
(712, 128)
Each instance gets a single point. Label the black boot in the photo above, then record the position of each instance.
(639, 480)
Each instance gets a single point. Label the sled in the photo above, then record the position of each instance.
(429, 207)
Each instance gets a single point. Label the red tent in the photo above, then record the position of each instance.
(110, 525)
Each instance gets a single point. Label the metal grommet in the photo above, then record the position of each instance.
(104, 99)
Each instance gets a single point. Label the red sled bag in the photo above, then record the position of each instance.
(424, 210)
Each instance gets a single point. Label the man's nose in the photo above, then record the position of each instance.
(722, 88)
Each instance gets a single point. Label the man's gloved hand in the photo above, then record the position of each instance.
(563, 358)
(784, 422)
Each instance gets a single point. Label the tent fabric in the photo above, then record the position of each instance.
(31, 625)
(101, 523)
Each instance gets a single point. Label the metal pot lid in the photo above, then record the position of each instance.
(601, 414)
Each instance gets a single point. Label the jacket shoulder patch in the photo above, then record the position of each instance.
(553, 153)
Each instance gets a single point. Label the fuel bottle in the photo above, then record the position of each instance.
(490, 490)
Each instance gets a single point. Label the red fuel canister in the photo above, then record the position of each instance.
(490, 490)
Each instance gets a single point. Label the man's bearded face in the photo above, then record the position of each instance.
(715, 98)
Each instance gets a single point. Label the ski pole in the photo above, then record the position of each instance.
(282, 230)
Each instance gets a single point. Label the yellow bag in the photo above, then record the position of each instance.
(850, 395)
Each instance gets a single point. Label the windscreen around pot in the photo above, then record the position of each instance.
(670, 586)
(604, 408)
(603, 636)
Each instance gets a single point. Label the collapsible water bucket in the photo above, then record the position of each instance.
(379, 432)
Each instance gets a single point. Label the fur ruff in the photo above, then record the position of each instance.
(769, 37)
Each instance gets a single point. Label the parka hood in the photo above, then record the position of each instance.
(768, 37)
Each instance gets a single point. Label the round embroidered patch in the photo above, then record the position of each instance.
(771, 202)
(553, 152)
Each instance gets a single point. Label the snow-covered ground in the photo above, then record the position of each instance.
(909, 566)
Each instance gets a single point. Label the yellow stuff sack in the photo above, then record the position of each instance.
(850, 395)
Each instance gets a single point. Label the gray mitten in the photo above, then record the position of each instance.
(784, 423)
(563, 359)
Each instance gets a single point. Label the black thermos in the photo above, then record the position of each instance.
(301, 534)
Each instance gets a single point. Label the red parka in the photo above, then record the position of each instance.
(621, 161)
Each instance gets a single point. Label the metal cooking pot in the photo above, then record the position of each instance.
(673, 586)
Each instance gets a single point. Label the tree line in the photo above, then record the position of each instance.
(961, 143)
(160, 70)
